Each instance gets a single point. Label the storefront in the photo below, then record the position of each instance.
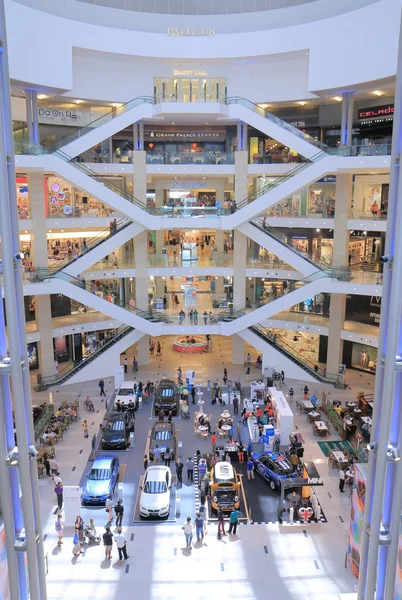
(365, 249)
(22, 198)
(315, 200)
(64, 200)
(370, 196)
(190, 86)
(190, 144)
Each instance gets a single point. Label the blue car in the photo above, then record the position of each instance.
(101, 480)
(273, 468)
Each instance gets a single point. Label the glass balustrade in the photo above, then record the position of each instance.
(190, 158)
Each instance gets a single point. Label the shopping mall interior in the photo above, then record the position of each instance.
(201, 282)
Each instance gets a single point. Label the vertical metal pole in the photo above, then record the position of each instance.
(9, 233)
(386, 400)
(29, 115)
(344, 118)
(349, 120)
(141, 136)
(35, 123)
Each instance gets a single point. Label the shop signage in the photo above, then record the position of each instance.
(187, 185)
(376, 112)
(62, 116)
(191, 31)
(363, 309)
(195, 73)
(327, 179)
(187, 135)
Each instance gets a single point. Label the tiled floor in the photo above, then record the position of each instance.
(262, 561)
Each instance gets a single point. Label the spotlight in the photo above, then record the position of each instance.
(372, 446)
(393, 453)
(32, 451)
(12, 457)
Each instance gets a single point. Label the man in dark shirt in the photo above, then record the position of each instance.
(119, 511)
(179, 471)
(108, 543)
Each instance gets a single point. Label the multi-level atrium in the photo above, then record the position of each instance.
(200, 266)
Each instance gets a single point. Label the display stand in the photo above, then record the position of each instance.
(72, 503)
(284, 414)
(118, 376)
(257, 391)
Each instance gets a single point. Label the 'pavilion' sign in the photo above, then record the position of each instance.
(190, 31)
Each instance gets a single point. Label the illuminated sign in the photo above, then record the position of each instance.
(191, 31)
(195, 73)
(189, 185)
(375, 112)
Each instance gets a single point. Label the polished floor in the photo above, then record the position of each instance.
(261, 561)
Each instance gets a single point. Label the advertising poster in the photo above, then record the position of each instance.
(356, 519)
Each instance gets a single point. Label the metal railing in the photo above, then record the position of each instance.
(190, 158)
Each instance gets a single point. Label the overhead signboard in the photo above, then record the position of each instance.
(376, 112)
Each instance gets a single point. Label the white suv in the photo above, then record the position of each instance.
(127, 394)
(155, 494)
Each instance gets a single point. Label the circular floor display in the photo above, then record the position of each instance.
(190, 343)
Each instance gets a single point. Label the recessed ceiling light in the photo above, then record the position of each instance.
(302, 103)
(41, 96)
(79, 101)
(172, 122)
(378, 93)
(338, 98)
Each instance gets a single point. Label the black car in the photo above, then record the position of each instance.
(166, 396)
(116, 432)
(163, 434)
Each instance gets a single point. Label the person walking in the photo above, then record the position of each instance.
(167, 456)
(225, 375)
(59, 494)
(188, 532)
(77, 548)
(125, 363)
(85, 428)
(54, 467)
(213, 442)
(250, 468)
(190, 468)
(240, 454)
(193, 393)
(158, 349)
(121, 543)
(145, 462)
(200, 527)
(59, 524)
(46, 464)
(179, 471)
(135, 365)
(179, 374)
(108, 543)
(234, 520)
(341, 480)
(221, 522)
(119, 512)
(235, 405)
(109, 508)
(102, 387)
(157, 455)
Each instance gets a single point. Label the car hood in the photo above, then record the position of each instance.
(96, 488)
(154, 501)
(113, 436)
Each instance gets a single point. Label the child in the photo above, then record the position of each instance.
(59, 528)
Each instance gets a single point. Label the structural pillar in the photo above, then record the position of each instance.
(39, 252)
(239, 270)
(141, 270)
(237, 350)
(220, 192)
(143, 351)
(347, 119)
(241, 136)
(241, 176)
(336, 322)
(343, 199)
(140, 176)
(32, 116)
(43, 315)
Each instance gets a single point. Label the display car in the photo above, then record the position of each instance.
(273, 468)
(127, 394)
(163, 434)
(100, 482)
(155, 492)
(116, 432)
(224, 487)
(166, 396)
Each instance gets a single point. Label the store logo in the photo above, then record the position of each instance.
(384, 111)
(196, 73)
(190, 31)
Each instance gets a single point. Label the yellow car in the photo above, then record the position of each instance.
(224, 487)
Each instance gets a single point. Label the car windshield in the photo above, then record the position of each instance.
(99, 474)
(155, 487)
(125, 392)
(163, 435)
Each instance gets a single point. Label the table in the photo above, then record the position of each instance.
(307, 404)
(357, 411)
(226, 427)
(202, 428)
(225, 415)
(320, 425)
(366, 420)
(338, 456)
(313, 414)
(351, 404)
(294, 499)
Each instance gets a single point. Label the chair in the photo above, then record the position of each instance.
(221, 433)
(44, 442)
(204, 435)
(196, 432)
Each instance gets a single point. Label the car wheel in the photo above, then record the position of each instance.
(272, 484)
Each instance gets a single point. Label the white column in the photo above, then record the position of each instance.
(343, 198)
(159, 241)
(140, 176)
(239, 270)
(143, 351)
(160, 287)
(45, 346)
(39, 254)
(237, 350)
(220, 191)
(336, 323)
(159, 197)
(241, 176)
(219, 238)
(141, 267)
